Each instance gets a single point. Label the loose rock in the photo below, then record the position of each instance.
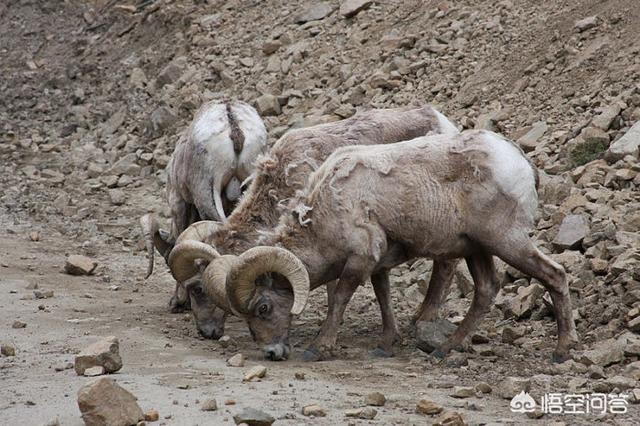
(586, 23)
(18, 324)
(151, 416)
(366, 413)
(430, 335)
(7, 350)
(253, 417)
(375, 399)
(449, 418)
(79, 265)
(313, 410)
(424, 406)
(94, 371)
(605, 353)
(629, 144)
(236, 361)
(316, 12)
(511, 386)
(209, 405)
(105, 353)
(104, 403)
(462, 392)
(350, 8)
(257, 372)
(573, 229)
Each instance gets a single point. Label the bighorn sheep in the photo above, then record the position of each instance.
(287, 168)
(207, 170)
(367, 209)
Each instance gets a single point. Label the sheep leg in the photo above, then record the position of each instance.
(351, 277)
(441, 277)
(390, 331)
(486, 283)
(180, 212)
(527, 258)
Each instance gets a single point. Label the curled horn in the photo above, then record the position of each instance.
(199, 231)
(183, 256)
(258, 261)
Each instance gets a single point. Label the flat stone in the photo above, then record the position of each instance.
(257, 372)
(573, 229)
(43, 294)
(586, 23)
(79, 265)
(209, 405)
(604, 120)
(18, 324)
(529, 141)
(635, 396)
(375, 399)
(462, 392)
(316, 12)
(103, 402)
(253, 417)
(425, 406)
(350, 8)
(105, 353)
(366, 413)
(94, 371)
(621, 382)
(430, 335)
(313, 410)
(605, 353)
(629, 144)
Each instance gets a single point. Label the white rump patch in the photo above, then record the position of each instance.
(446, 126)
(210, 122)
(512, 172)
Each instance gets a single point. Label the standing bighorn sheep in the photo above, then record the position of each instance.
(368, 209)
(286, 169)
(207, 170)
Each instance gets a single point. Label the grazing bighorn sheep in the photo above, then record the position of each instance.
(207, 170)
(368, 209)
(286, 170)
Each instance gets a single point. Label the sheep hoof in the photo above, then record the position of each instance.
(438, 353)
(311, 355)
(381, 353)
(559, 358)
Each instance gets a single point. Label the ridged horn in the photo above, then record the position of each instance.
(183, 256)
(154, 237)
(199, 231)
(258, 261)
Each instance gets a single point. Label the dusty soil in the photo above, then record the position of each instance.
(86, 84)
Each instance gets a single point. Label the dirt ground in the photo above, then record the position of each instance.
(89, 84)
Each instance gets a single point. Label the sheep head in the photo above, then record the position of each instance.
(264, 285)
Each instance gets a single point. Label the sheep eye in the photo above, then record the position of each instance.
(263, 308)
(197, 290)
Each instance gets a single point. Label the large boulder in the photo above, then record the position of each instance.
(629, 144)
(104, 403)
